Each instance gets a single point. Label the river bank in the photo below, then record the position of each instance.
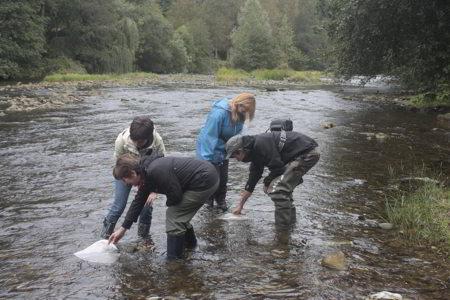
(59, 90)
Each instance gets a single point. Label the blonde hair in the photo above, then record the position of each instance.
(248, 101)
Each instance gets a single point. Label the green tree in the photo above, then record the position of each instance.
(253, 43)
(99, 34)
(160, 49)
(22, 39)
(408, 39)
(284, 37)
(198, 45)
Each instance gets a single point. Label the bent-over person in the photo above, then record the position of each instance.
(187, 183)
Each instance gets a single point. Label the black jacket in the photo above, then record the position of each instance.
(263, 152)
(171, 176)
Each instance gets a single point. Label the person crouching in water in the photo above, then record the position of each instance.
(287, 154)
(187, 184)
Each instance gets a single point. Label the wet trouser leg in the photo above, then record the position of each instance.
(283, 186)
(121, 193)
(178, 217)
(221, 193)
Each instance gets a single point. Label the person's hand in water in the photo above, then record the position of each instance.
(244, 196)
(117, 235)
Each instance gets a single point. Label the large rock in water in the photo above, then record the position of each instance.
(335, 261)
(443, 121)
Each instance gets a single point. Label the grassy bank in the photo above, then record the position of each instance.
(98, 77)
(440, 98)
(422, 216)
(235, 75)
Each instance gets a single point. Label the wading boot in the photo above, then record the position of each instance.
(175, 246)
(190, 240)
(107, 230)
(293, 215)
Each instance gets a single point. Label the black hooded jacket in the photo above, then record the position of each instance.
(171, 176)
(263, 152)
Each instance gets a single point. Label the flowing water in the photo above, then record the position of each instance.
(56, 185)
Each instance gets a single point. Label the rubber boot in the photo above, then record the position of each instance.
(175, 246)
(210, 203)
(107, 230)
(190, 238)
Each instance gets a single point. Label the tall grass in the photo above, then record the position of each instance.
(230, 75)
(423, 215)
(98, 77)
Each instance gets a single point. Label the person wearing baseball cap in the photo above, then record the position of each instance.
(287, 154)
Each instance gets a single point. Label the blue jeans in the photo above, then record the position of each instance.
(121, 193)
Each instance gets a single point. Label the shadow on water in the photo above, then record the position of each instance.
(56, 184)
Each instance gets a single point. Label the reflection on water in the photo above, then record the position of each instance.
(56, 184)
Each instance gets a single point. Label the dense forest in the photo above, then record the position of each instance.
(406, 38)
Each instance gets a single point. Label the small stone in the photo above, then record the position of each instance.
(386, 226)
(335, 261)
(327, 125)
(361, 217)
(380, 135)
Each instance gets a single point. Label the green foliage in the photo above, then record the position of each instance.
(253, 43)
(159, 51)
(21, 39)
(97, 33)
(422, 216)
(198, 46)
(284, 37)
(408, 39)
(64, 65)
(231, 75)
(440, 97)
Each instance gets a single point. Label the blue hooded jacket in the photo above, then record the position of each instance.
(217, 130)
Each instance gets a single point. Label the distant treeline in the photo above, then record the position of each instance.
(408, 39)
(195, 36)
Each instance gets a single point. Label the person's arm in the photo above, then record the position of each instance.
(240, 206)
(136, 206)
(132, 214)
(254, 176)
(158, 144)
(210, 136)
(118, 146)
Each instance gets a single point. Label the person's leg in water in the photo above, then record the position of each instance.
(283, 187)
(121, 193)
(221, 193)
(180, 233)
(145, 222)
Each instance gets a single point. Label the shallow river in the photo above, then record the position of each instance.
(56, 184)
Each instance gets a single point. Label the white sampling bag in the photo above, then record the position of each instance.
(99, 252)
(231, 216)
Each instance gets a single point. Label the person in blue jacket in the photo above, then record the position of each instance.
(225, 120)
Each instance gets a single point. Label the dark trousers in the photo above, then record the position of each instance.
(221, 193)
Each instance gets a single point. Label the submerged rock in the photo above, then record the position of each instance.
(386, 226)
(384, 296)
(335, 261)
(327, 125)
(443, 120)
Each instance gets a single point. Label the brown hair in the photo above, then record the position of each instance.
(125, 164)
(248, 101)
(141, 128)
